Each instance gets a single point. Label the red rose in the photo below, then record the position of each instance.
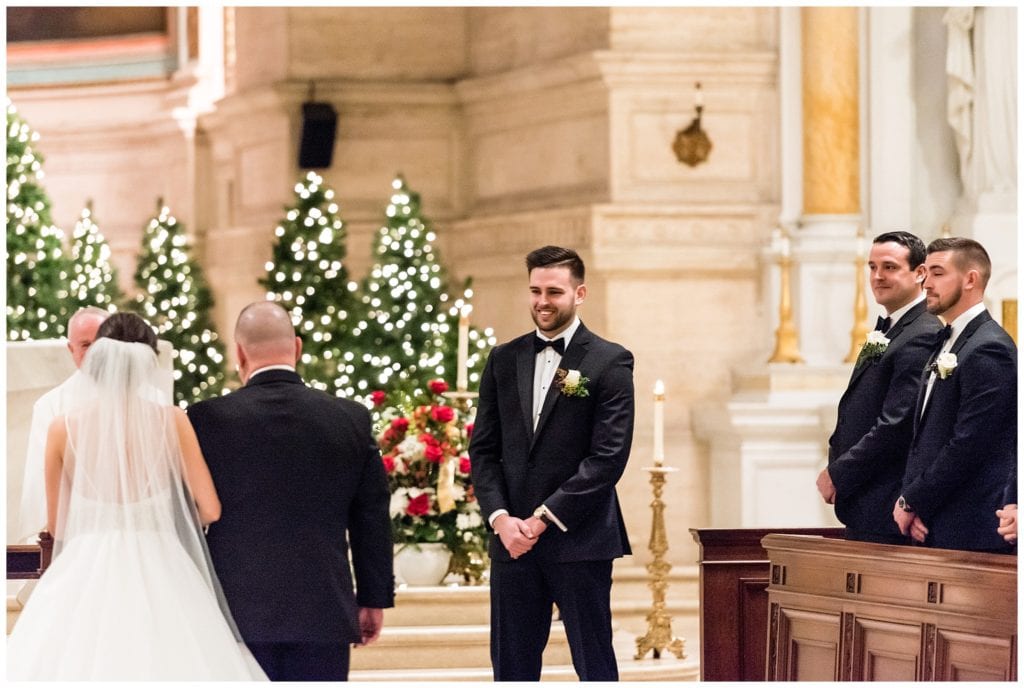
(469, 430)
(438, 386)
(378, 396)
(419, 506)
(464, 464)
(400, 424)
(442, 414)
(389, 463)
(433, 453)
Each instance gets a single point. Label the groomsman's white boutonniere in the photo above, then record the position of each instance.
(873, 348)
(944, 365)
(572, 382)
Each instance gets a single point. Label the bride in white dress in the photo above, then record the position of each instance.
(131, 594)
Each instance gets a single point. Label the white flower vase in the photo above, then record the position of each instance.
(425, 563)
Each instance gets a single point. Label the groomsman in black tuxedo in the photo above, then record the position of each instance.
(965, 436)
(868, 450)
(301, 486)
(551, 440)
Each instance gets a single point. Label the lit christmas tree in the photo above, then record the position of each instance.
(307, 276)
(93, 278)
(409, 334)
(174, 298)
(37, 270)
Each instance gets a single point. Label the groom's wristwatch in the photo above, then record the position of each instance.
(902, 503)
(541, 513)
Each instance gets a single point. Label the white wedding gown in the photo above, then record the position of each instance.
(131, 593)
(125, 604)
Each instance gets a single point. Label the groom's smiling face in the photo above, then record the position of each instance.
(554, 297)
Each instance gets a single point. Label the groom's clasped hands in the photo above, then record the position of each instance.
(517, 535)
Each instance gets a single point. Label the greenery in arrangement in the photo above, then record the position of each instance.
(424, 448)
(37, 269)
(408, 332)
(307, 275)
(93, 278)
(174, 298)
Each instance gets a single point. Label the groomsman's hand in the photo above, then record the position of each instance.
(826, 489)
(918, 530)
(371, 620)
(903, 519)
(517, 537)
(1007, 522)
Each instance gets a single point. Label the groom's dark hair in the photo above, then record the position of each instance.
(128, 327)
(557, 257)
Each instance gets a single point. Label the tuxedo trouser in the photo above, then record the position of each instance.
(522, 594)
(303, 661)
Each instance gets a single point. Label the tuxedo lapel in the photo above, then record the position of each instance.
(969, 331)
(960, 342)
(570, 361)
(526, 359)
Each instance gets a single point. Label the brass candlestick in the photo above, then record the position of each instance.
(859, 333)
(659, 623)
(787, 350)
(461, 399)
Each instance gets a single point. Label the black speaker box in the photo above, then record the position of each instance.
(319, 124)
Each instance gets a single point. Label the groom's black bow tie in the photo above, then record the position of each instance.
(942, 335)
(540, 344)
(883, 324)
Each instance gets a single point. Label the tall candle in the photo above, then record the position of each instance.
(785, 246)
(698, 98)
(659, 423)
(462, 378)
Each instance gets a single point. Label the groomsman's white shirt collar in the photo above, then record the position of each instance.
(895, 316)
(264, 369)
(958, 325)
(961, 322)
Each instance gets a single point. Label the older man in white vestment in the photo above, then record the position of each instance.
(32, 515)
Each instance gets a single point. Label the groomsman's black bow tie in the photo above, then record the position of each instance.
(557, 344)
(942, 335)
(883, 324)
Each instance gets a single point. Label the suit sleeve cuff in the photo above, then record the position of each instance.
(495, 514)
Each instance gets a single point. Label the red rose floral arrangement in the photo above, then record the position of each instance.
(427, 463)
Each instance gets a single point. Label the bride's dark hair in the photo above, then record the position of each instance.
(128, 327)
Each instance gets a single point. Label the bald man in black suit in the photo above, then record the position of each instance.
(301, 486)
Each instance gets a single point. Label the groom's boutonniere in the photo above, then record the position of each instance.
(943, 365)
(873, 348)
(572, 383)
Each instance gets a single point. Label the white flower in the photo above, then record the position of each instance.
(945, 364)
(411, 448)
(467, 521)
(399, 502)
(876, 337)
(572, 382)
(873, 348)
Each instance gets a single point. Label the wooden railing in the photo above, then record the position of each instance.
(29, 561)
(734, 573)
(854, 611)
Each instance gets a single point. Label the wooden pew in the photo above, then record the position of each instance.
(734, 572)
(852, 611)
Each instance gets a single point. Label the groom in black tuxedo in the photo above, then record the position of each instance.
(868, 450)
(301, 485)
(551, 439)
(965, 435)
